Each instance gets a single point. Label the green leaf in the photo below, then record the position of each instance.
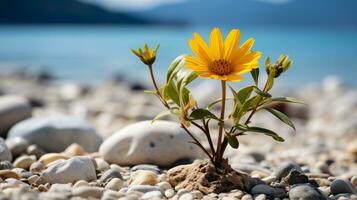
(174, 67)
(281, 116)
(255, 75)
(235, 94)
(233, 141)
(244, 93)
(260, 92)
(185, 95)
(202, 114)
(170, 92)
(265, 131)
(288, 100)
(210, 106)
(161, 115)
(270, 81)
(150, 91)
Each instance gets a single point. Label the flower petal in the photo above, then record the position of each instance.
(200, 42)
(216, 44)
(247, 58)
(196, 64)
(234, 77)
(231, 42)
(199, 51)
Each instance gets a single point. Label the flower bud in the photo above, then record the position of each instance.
(148, 56)
(281, 65)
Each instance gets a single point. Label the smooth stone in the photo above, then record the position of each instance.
(74, 150)
(305, 192)
(35, 150)
(143, 188)
(285, 168)
(111, 195)
(295, 177)
(152, 168)
(6, 165)
(80, 183)
(354, 181)
(51, 157)
(260, 197)
(115, 184)
(169, 193)
(109, 175)
(196, 194)
(267, 190)
(6, 173)
(136, 143)
(186, 196)
(248, 168)
(344, 197)
(247, 197)
(65, 189)
(17, 145)
(32, 179)
(152, 195)
(69, 171)
(64, 130)
(24, 162)
(37, 167)
(164, 185)
(88, 192)
(340, 186)
(101, 165)
(5, 153)
(13, 109)
(143, 177)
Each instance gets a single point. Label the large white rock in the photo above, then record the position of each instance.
(56, 133)
(12, 110)
(69, 171)
(160, 143)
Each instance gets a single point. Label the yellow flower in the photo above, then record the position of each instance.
(148, 56)
(222, 60)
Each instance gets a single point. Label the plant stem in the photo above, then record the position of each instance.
(157, 88)
(221, 123)
(197, 142)
(205, 130)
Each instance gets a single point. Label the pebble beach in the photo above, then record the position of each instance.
(65, 140)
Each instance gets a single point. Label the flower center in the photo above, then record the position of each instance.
(221, 67)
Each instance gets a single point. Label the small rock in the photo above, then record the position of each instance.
(88, 192)
(80, 183)
(5, 153)
(305, 192)
(344, 197)
(267, 190)
(65, 189)
(109, 175)
(261, 197)
(196, 194)
(340, 186)
(169, 193)
(74, 150)
(136, 143)
(143, 177)
(352, 148)
(51, 157)
(32, 179)
(17, 145)
(186, 196)
(35, 150)
(24, 162)
(152, 195)
(354, 181)
(37, 167)
(164, 185)
(69, 171)
(143, 188)
(285, 168)
(115, 184)
(64, 130)
(111, 195)
(101, 165)
(295, 177)
(247, 197)
(12, 110)
(6, 173)
(152, 168)
(5, 165)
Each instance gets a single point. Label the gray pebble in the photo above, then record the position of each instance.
(340, 186)
(305, 192)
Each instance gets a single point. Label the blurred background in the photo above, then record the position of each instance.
(89, 40)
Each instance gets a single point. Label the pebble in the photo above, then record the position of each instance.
(305, 192)
(51, 157)
(37, 167)
(152, 195)
(186, 196)
(88, 192)
(65, 189)
(109, 175)
(285, 168)
(32, 179)
(35, 150)
(340, 186)
(6, 165)
(64, 130)
(147, 167)
(69, 171)
(354, 181)
(260, 197)
(143, 177)
(5, 153)
(169, 193)
(143, 188)
(13, 109)
(247, 197)
(6, 173)
(164, 185)
(74, 150)
(24, 162)
(295, 177)
(17, 145)
(267, 190)
(136, 143)
(80, 183)
(115, 184)
(101, 165)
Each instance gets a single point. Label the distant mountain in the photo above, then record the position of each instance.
(254, 12)
(60, 12)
